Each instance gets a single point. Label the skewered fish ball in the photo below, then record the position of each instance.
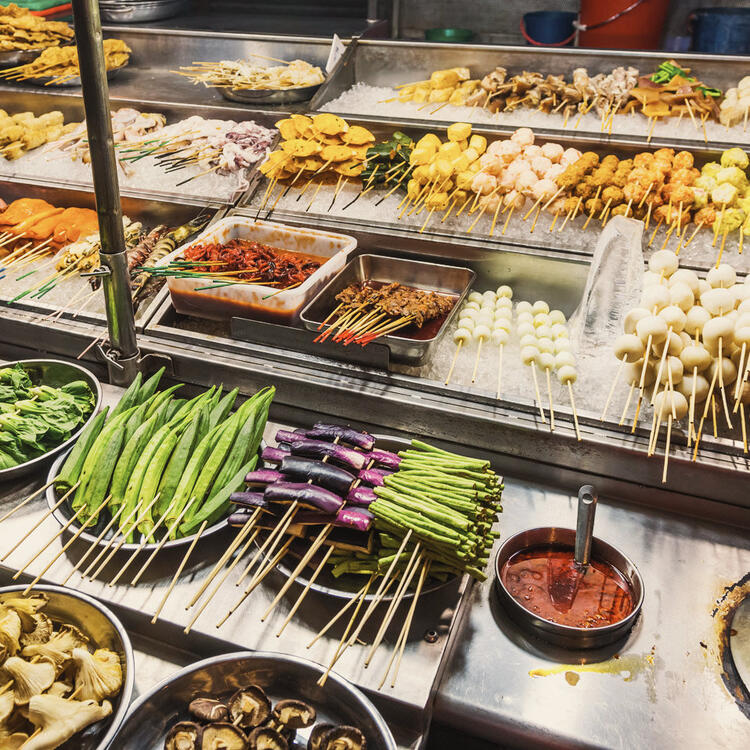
(544, 332)
(462, 334)
(466, 323)
(742, 334)
(528, 340)
(744, 306)
(672, 371)
(565, 358)
(559, 330)
(653, 328)
(728, 370)
(724, 276)
(523, 307)
(632, 318)
(656, 296)
(525, 317)
(504, 303)
(673, 344)
(681, 295)
(567, 374)
(545, 361)
(667, 403)
(475, 297)
(686, 338)
(695, 318)
(685, 276)
(545, 345)
(529, 354)
(500, 337)
(490, 296)
(557, 316)
(650, 278)
(685, 387)
(629, 347)
(470, 312)
(481, 332)
(696, 356)
(633, 373)
(562, 345)
(540, 306)
(663, 262)
(674, 317)
(503, 324)
(505, 291)
(541, 319)
(472, 306)
(525, 329)
(718, 301)
(718, 328)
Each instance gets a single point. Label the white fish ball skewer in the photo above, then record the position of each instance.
(480, 333)
(460, 336)
(628, 349)
(500, 338)
(567, 375)
(546, 362)
(529, 355)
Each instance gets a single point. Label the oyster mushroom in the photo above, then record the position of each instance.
(223, 736)
(183, 736)
(10, 633)
(26, 608)
(208, 709)
(294, 714)
(344, 738)
(98, 675)
(316, 736)
(60, 689)
(266, 738)
(249, 707)
(59, 648)
(42, 631)
(59, 719)
(29, 679)
(7, 704)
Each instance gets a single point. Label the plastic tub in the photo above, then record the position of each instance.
(246, 301)
(622, 24)
(548, 28)
(724, 31)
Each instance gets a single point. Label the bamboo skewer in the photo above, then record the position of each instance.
(359, 596)
(538, 394)
(178, 572)
(25, 502)
(575, 413)
(549, 394)
(159, 546)
(46, 515)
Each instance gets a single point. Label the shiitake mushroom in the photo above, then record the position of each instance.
(183, 736)
(316, 736)
(208, 709)
(343, 738)
(294, 714)
(249, 707)
(223, 736)
(267, 738)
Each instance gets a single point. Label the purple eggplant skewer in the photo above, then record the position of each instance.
(305, 494)
(361, 496)
(353, 518)
(262, 477)
(273, 455)
(373, 477)
(386, 459)
(322, 431)
(326, 475)
(319, 449)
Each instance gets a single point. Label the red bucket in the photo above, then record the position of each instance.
(622, 24)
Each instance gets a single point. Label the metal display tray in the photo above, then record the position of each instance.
(149, 210)
(445, 279)
(392, 63)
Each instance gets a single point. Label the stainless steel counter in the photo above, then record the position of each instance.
(662, 689)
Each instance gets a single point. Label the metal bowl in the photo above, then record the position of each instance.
(138, 11)
(281, 676)
(104, 630)
(12, 57)
(64, 513)
(346, 586)
(566, 635)
(69, 83)
(270, 96)
(55, 373)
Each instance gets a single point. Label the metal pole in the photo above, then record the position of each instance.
(123, 360)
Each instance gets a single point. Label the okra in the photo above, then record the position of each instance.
(149, 387)
(162, 398)
(129, 398)
(222, 409)
(71, 468)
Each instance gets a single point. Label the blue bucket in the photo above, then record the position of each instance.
(721, 30)
(548, 28)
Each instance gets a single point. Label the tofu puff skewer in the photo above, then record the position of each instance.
(24, 132)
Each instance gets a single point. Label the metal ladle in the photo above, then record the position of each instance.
(565, 579)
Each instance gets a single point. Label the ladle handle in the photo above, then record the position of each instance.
(585, 523)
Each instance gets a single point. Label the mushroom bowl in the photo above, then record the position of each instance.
(255, 700)
(82, 619)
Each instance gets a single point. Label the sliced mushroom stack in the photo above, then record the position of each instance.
(52, 685)
(246, 720)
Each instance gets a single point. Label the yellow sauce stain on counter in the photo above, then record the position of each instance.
(629, 666)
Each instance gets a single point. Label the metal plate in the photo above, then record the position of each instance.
(140, 11)
(437, 277)
(270, 96)
(345, 586)
(63, 514)
(105, 631)
(281, 676)
(55, 373)
(12, 57)
(69, 83)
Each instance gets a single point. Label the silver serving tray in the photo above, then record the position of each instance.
(139, 11)
(70, 83)
(55, 373)
(344, 587)
(436, 277)
(105, 631)
(270, 96)
(281, 676)
(12, 57)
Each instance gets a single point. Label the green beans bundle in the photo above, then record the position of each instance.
(160, 459)
(449, 502)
